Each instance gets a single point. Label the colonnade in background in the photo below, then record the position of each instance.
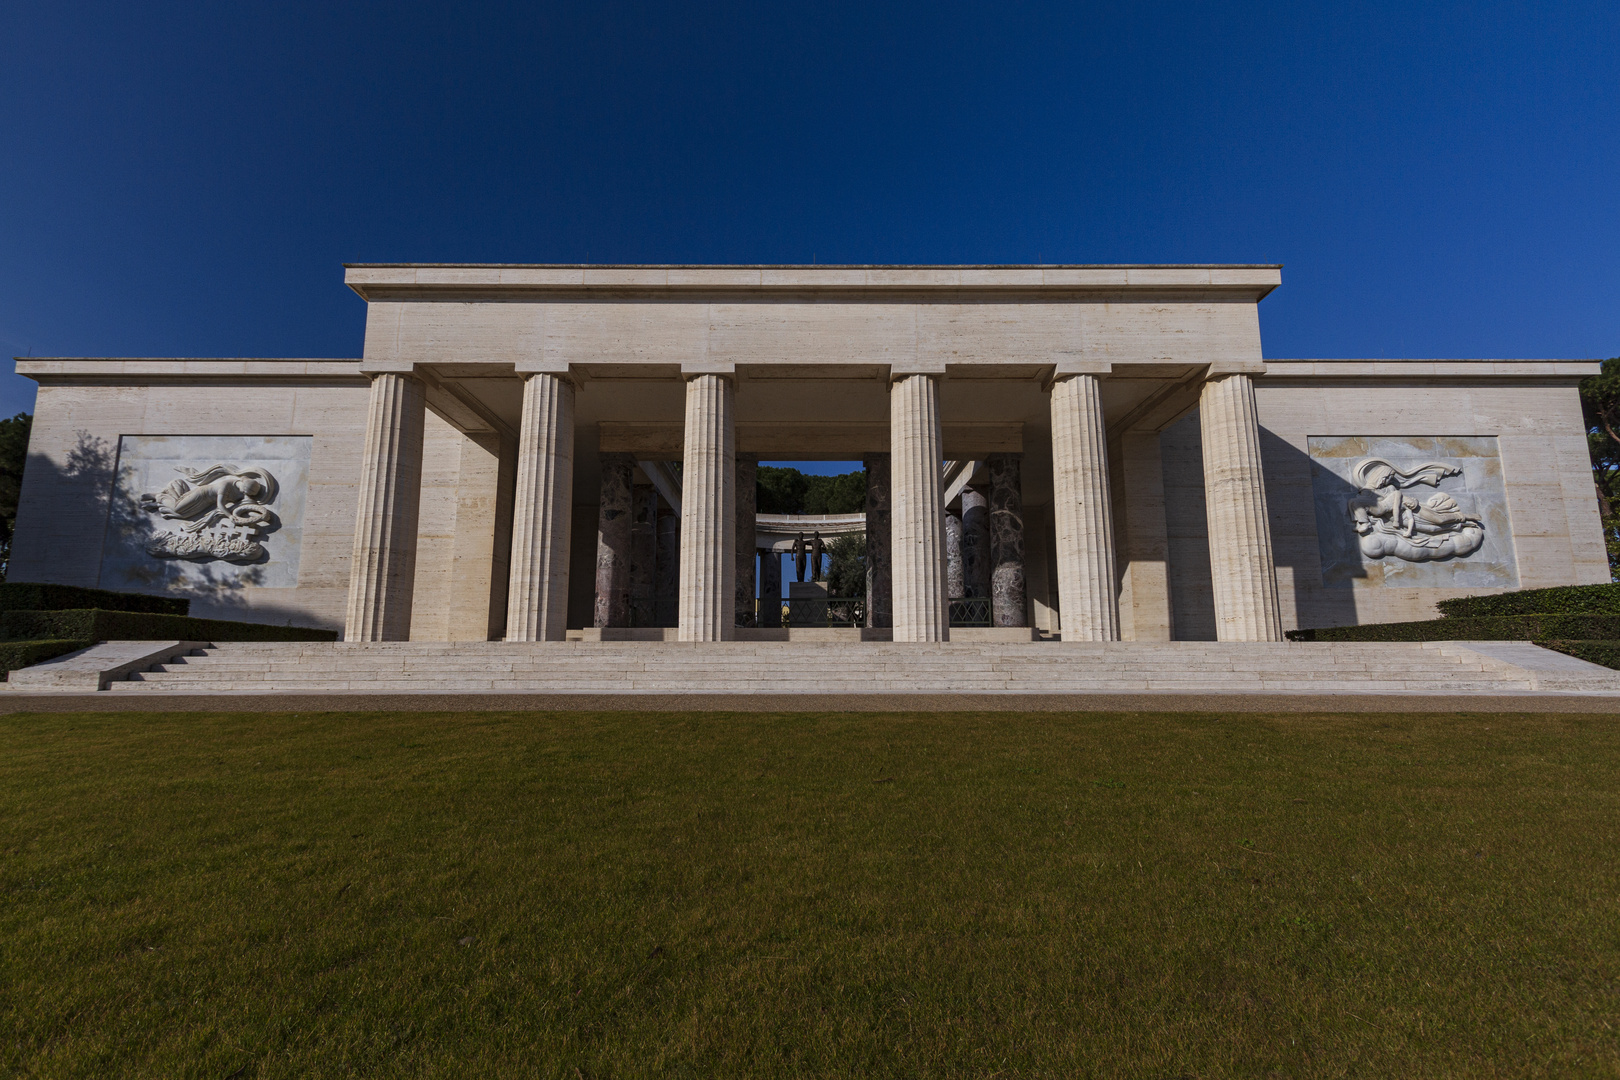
(909, 575)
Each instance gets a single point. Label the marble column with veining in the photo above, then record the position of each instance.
(770, 589)
(643, 555)
(614, 518)
(667, 571)
(975, 542)
(1007, 607)
(709, 510)
(1241, 565)
(1087, 598)
(955, 572)
(879, 577)
(917, 509)
(382, 573)
(747, 471)
(542, 511)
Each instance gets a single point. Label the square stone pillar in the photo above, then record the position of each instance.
(747, 473)
(667, 569)
(542, 512)
(1087, 601)
(1242, 568)
(879, 578)
(1145, 612)
(917, 511)
(770, 589)
(708, 599)
(643, 556)
(613, 521)
(382, 572)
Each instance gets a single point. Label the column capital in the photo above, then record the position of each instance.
(693, 369)
(904, 369)
(538, 366)
(1235, 367)
(1068, 369)
(387, 365)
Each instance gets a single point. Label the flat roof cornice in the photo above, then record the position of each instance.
(428, 281)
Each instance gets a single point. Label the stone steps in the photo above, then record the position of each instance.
(606, 668)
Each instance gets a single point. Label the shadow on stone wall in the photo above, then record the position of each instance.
(78, 496)
(1291, 517)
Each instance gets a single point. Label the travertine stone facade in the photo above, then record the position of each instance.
(917, 510)
(383, 568)
(1241, 562)
(1084, 516)
(1174, 484)
(542, 517)
(709, 510)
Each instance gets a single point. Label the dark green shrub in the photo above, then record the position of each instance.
(1496, 628)
(1606, 653)
(1561, 600)
(20, 654)
(33, 596)
(97, 624)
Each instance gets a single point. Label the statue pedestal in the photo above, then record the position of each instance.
(807, 604)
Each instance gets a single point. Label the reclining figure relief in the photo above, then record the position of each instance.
(222, 510)
(1390, 522)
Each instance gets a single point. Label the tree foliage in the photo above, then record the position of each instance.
(1600, 404)
(846, 569)
(13, 456)
(788, 491)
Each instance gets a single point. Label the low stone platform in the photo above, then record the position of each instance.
(924, 676)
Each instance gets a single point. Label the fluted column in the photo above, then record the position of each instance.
(1087, 601)
(917, 512)
(542, 512)
(879, 579)
(382, 572)
(708, 511)
(747, 474)
(1240, 557)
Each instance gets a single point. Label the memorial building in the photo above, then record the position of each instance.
(546, 453)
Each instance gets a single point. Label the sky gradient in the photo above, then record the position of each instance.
(187, 179)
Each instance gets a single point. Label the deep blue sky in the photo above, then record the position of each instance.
(186, 179)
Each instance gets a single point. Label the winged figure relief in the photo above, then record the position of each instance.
(1391, 522)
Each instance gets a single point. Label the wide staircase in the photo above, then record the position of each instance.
(610, 668)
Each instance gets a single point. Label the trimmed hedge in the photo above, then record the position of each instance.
(20, 654)
(1606, 653)
(97, 624)
(1560, 600)
(1497, 628)
(33, 596)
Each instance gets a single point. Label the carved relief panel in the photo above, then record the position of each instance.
(206, 512)
(1415, 511)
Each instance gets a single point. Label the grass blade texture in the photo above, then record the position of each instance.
(618, 894)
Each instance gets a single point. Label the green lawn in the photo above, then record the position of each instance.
(617, 894)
